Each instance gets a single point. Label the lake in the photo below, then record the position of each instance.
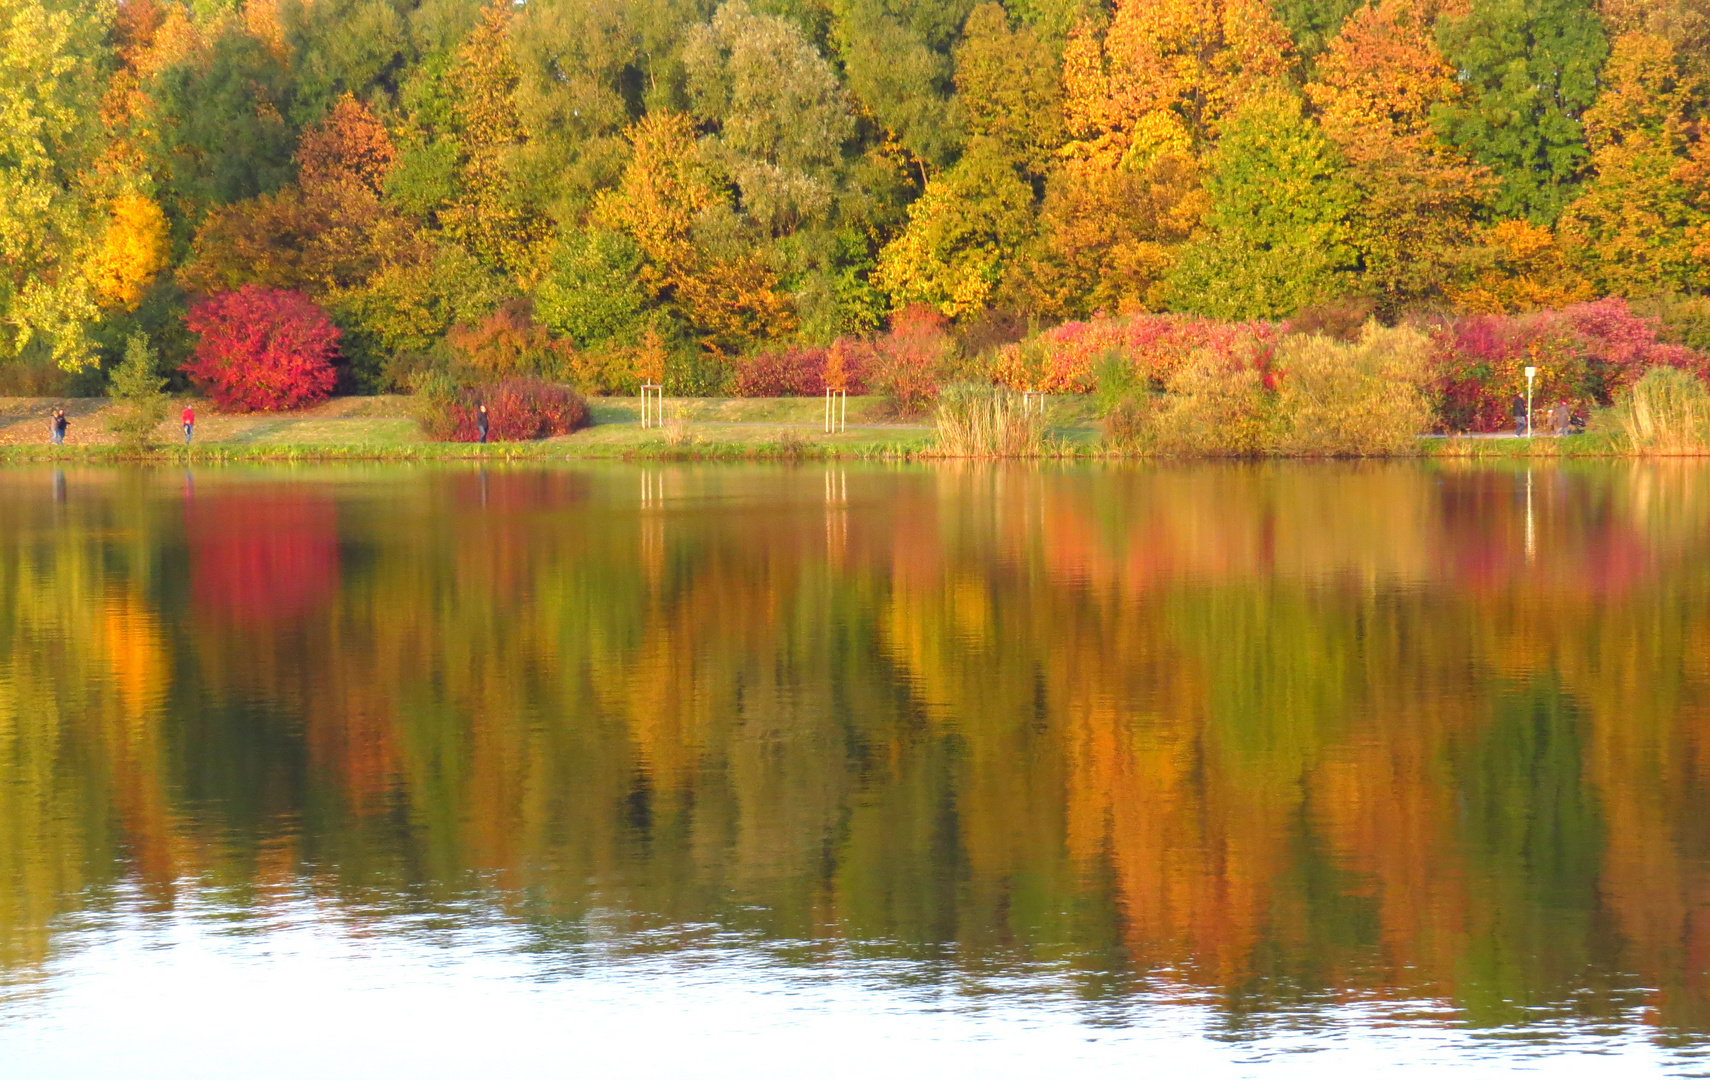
(783, 770)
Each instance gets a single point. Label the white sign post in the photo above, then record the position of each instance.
(1531, 373)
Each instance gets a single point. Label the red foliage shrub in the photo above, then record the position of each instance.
(1585, 353)
(790, 373)
(908, 362)
(518, 410)
(262, 349)
(1065, 360)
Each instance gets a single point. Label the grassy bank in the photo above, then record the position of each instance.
(711, 429)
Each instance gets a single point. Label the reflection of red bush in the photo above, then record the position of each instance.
(260, 556)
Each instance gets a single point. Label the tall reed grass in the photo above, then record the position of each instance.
(983, 421)
(1666, 412)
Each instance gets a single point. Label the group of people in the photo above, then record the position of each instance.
(58, 423)
(1559, 418)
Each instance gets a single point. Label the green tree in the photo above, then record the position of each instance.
(590, 294)
(221, 133)
(1313, 24)
(1276, 235)
(780, 118)
(899, 78)
(1530, 71)
(962, 235)
(490, 212)
(140, 391)
(580, 67)
(1010, 88)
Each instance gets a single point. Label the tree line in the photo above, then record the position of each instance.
(636, 179)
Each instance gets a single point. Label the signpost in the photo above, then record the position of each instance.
(1531, 372)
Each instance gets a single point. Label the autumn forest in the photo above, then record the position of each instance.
(701, 181)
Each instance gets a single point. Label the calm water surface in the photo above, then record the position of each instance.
(785, 771)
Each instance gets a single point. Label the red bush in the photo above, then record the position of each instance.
(262, 349)
(908, 362)
(1065, 360)
(790, 373)
(518, 410)
(1585, 353)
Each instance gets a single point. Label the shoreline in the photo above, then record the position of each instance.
(381, 429)
(567, 448)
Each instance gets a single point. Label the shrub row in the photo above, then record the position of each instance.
(1182, 382)
(1469, 368)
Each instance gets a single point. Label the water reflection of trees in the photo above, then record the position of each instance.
(1272, 731)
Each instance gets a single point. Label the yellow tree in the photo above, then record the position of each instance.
(1108, 236)
(1419, 200)
(731, 297)
(133, 250)
(962, 235)
(1637, 224)
(1140, 104)
(488, 214)
(50, 223)
(1167, 73)
(1524, 270)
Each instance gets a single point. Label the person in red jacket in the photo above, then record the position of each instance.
(189, 419)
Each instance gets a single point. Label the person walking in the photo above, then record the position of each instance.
(1563, 418)
(188, 418)
(1519, 416)
(58, 424)
(481, 421)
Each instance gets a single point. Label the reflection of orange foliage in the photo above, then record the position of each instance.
(1164, 696)
(137, 653)
(262, 555)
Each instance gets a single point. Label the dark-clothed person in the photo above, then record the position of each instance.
(58, 425)
(481, 421)
(1519, 415)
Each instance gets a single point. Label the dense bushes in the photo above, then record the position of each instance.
(1213, 404)
(1469, 368)
(262, 349)
(1350, 400)
(1066, 359)
(1585, 353)
(518, 409)
(786, 373)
